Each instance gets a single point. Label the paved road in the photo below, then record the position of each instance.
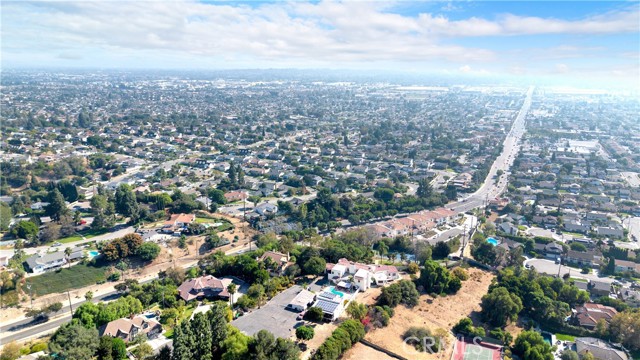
(549, 267)
(24, 329)
(122, 231)
(493, 187)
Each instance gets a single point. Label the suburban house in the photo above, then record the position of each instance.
(600, 349)
(40, 263)
(599, 288)
(361, 275)
(630, 297)
(266, 209)
(589, 314)
(627, 266)
(590, 258)
(206, 286)
(302, 301)
(280, 260)
(178, 221)
(234, 196)
(128, 328)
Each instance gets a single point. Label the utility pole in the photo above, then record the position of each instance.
(70, 306)
(30, 294)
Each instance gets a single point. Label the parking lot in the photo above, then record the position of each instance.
(272, 316)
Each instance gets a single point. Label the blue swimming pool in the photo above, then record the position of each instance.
(93, 253)
(492, 241)
(334, 291)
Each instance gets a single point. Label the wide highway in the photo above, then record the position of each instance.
(492, 186)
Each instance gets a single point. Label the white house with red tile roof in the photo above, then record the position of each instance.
(361, 275)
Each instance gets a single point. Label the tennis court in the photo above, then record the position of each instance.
(475, 352)
(466, 350)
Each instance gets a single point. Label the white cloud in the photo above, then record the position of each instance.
(296, 34)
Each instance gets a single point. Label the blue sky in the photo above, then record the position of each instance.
(575, 42)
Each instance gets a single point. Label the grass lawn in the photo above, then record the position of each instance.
(88, 234)
(579, 280)
(65, 279)
(564, 337)
(202, 220)
(226, 225)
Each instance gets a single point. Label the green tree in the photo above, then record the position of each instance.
(314, 313)
(305, 333)
(624, 328)
(401, 292)
(569, 355)
(384, 194)
(231, 289)
(499, 307)
(74, 341)
(201, 328)
(119, 351)
(315, 266)
(25, 230)
(149, 251)
(5, 216)
(10, 351)
(126, 203)
(105, 349)
(216, 196)
(530, 345)
(357, 310)
(425, 190)
(383, 248)
(57, 207)
(143, 351)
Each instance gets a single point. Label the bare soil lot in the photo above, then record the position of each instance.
(442, 312)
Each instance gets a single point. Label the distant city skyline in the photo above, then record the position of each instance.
(566, 43)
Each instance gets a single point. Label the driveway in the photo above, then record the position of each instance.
(549, 267)
(272, 317)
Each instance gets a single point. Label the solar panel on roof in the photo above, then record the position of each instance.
(327, 306)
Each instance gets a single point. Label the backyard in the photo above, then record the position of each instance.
(58, 281)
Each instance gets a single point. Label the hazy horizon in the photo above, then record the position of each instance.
(582, 44)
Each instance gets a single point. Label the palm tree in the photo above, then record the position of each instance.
(382, 248)
(231, 288)
(67, 253)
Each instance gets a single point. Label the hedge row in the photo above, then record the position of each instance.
(341, 340)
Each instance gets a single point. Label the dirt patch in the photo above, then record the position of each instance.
(359, 352)
(439, 313)
(322, 333)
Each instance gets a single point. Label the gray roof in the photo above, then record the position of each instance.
(599, 348)
(43, 259)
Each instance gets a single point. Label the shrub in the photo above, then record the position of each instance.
(460, 273)
(422, 339)
(402, 292)
(342, 338)
(413, 268)
(314, 313)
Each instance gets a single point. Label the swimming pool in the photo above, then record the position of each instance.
(492, 241)
(334, 291)
(93, 253)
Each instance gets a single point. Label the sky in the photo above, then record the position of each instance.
(574, 42)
